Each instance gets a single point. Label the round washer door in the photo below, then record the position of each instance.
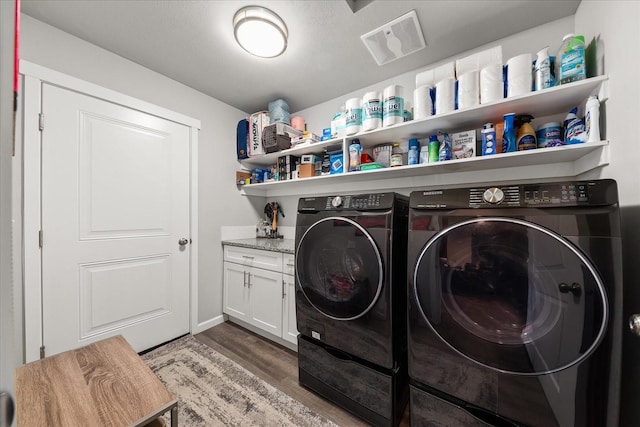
(511, 295)
(339, 268)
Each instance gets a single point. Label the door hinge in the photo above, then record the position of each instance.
(41, 121)
(40, 239)
(41, 352)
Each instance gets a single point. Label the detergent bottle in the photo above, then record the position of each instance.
(526, 137)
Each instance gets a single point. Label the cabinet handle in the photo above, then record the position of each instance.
(249, 281)
(283, 289)
(244, 279)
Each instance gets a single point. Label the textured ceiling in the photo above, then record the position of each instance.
(192, 41)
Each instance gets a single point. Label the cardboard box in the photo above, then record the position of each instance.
(463, 144)
(310, 158)
(306, 170)
(257, 122)
(242, 176)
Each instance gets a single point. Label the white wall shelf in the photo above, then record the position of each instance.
(557, 162)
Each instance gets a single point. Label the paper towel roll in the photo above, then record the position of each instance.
(393, 105)
(353, 110)
(445, 92)
(371, 111)
(468, 90)
(519, 75)
(491, 84)
(422, 103)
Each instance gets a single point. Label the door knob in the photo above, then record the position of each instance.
(634, 323)
(183, 241)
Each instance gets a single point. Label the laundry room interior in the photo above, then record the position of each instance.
(401, 213)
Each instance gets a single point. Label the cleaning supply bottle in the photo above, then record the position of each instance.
(509, 134)
(570, 59)
(445, 147)
(574, 132)
(526, 137)
(414, 151)
(592, 119)
(434, 149)
(354, 155)
(542, 70)
(396, 155)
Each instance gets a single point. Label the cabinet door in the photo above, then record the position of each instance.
(265, 300)
(235, 291)
(290, 328)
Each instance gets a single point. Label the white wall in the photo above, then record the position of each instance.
(219, 201)
(319, 116)
(7, 339)
(615, 26)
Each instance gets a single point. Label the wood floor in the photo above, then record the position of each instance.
(276, 365)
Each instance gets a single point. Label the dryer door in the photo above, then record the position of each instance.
(511, 295)
(339, 268)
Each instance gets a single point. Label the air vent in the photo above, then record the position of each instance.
(395, 39)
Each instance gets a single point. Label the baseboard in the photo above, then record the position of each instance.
(203, 326)
(262, 333)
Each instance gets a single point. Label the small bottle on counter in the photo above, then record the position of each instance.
(414, 151)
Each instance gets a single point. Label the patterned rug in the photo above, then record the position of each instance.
(213, 390)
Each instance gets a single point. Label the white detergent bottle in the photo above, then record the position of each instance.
(543, 70)
(592, 119)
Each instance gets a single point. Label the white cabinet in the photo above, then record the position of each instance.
(259, 292)
(554, 162)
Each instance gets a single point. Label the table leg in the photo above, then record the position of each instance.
(174, 416)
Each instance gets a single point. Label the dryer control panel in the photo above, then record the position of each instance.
(558, 194)
(360, 202)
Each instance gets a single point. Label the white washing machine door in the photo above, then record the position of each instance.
(511, 295)
(339, 268)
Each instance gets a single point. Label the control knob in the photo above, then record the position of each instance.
(336, 202)
(493, 195)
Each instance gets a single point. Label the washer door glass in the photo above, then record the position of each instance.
(339, 268)
(511, 295)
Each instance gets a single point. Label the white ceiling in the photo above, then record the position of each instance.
(192, 41)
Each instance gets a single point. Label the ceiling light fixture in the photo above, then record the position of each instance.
(260, 32)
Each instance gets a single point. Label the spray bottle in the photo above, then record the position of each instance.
(592, 119)
(526, 138)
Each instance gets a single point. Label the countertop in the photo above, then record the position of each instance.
(275, 245)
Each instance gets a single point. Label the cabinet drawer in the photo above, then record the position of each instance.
(253, 257)
(288, 264)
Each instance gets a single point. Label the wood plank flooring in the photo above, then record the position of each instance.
(276, 365)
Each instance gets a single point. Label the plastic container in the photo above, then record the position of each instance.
(414, 150)
(542, 70)
(396, 156)
(354, 155)
(570, 60)
(424, 154)
(549, 135)
(509, 134)
(444, 153)
(434, 149)
(592, 119)
(526, 137)
(574, 130)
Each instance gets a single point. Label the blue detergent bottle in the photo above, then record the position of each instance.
(509, 134)
(445, 147)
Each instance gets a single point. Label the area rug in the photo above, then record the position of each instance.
(213, 390)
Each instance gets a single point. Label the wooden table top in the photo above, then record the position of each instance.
(102, 384)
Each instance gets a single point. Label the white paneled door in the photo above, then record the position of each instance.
(115, 223)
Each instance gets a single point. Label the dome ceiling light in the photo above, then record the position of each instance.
(260, 32)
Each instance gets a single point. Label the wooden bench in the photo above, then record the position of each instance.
(102, 384)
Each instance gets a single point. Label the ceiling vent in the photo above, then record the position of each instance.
(395, 39)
